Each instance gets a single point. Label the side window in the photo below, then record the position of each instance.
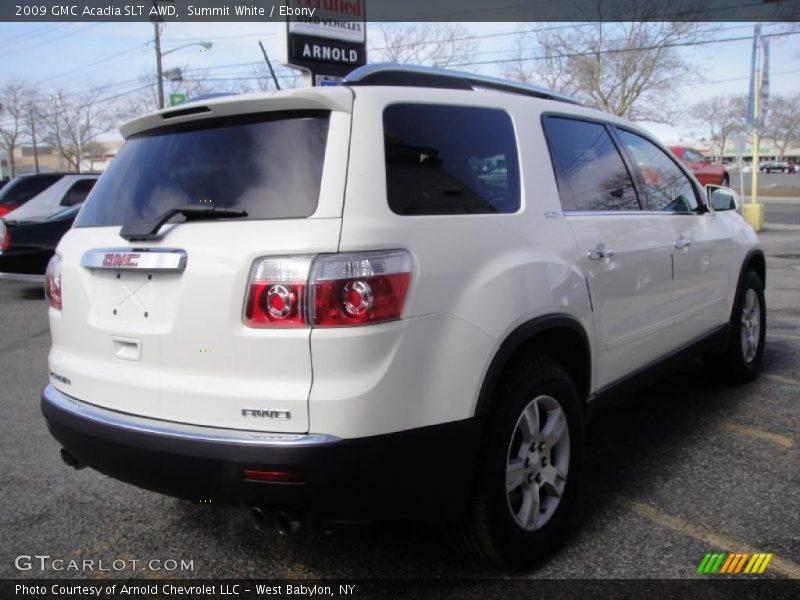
(667, 187)
(590, 172)
(78, 192)
(446, 160)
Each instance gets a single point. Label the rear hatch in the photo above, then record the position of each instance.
(155, 327)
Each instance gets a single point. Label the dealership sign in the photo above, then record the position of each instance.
(325, 38)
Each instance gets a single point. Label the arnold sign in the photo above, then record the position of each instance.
(325, 38)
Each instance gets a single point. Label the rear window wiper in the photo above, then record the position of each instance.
(149, 231)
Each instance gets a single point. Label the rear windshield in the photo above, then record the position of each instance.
(269, 165)
(23, 188)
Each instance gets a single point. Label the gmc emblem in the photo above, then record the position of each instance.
(128, 260)
(266, 413)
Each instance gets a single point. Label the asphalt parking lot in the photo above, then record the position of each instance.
(685, 468)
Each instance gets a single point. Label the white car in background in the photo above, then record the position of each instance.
(68, 191)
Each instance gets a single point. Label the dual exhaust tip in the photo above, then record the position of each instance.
(282, 522)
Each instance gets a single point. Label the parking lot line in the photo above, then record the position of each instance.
(760, 434)
(782, 379)
(717, 541)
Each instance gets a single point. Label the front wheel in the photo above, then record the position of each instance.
(741, 359)
(530, 467)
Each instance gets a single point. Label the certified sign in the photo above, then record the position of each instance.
(332, 19)
(325, 38)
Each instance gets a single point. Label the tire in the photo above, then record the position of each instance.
(739, 362)
(726, 181)
(512, 529)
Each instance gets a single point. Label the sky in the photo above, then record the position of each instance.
(68, 57)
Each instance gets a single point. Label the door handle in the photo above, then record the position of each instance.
(600, 253)
(682, 243)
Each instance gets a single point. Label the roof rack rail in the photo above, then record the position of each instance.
(392, 74)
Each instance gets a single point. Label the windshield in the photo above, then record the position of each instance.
(269, 165)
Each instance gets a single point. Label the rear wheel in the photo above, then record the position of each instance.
(726, 180)
(530, 467)
(741, 359)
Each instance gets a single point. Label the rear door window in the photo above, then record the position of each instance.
(589, 169)
(268, 164)
(449, 160)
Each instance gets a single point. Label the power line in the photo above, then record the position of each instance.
(39, 44)
(15, 39)
(619, 50)
(91, 64)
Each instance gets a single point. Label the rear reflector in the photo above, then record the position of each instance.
(271, 476)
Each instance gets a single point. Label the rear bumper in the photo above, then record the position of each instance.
(423, 474)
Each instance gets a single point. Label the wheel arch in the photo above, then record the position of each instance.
(559, 336)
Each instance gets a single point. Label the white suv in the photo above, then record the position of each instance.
(399, 298)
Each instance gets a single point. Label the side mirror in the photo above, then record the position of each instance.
(721, 198)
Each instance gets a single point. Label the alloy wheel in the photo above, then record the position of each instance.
(537, 463)
(751, 325)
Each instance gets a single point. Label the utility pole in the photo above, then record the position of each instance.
(32, 113)
(159, 73)
(752, 211)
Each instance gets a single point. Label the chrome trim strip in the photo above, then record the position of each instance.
(142, 259)
(198, 433)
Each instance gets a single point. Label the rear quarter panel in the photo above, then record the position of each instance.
(476, 279)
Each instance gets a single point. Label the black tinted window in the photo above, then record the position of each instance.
(269, 165)
(23, 188)
(78, 192)
(444, 160)
(590, 171)
(665, 185)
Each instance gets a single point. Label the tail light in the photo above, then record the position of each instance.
(331, 290)
(52, 282)
(5, 209)
(277, 291)
(358, 289)
(5, 237)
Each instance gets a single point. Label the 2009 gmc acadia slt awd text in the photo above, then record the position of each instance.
(399, 298)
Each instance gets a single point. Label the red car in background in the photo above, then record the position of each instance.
(705, 171)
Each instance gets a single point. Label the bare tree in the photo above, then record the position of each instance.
(262, 79)
(72, 122)
(430, 44)
(14, 107)
(629, 68)
(782, 124)
(553, 73)
(721, 117)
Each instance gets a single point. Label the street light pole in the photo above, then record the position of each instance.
(159, 72)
